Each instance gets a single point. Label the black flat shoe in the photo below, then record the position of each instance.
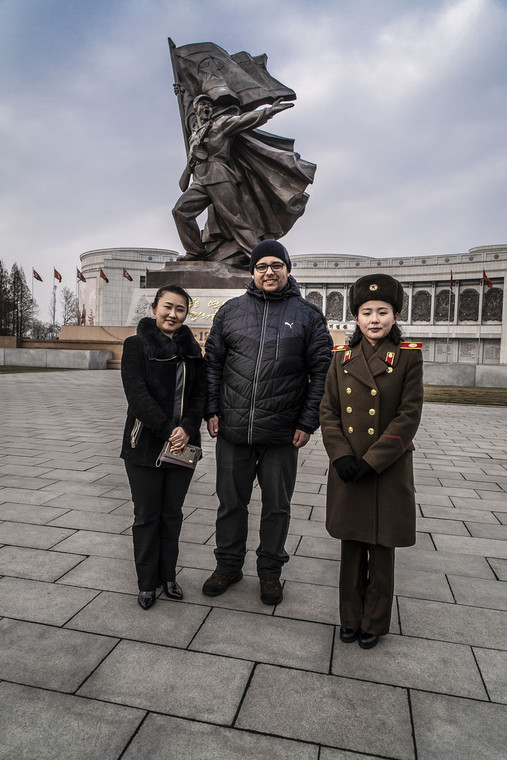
(146, 599)
(348, 635)
(173, 590)
(367, 640)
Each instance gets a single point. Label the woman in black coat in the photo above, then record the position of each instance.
(164, 381)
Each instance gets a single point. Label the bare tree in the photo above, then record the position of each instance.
(5, 302)
(68, 303)
(22, 303)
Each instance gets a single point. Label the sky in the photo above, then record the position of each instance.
(402, 104)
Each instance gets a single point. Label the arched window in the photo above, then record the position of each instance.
(442, 311)
(421, 306)
(334, 308)
(468, 310)
(315, 297)
(492, 305)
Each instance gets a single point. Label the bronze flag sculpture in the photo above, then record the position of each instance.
(251, 182)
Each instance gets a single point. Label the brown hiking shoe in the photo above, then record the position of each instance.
(271, 590)
(218, 583)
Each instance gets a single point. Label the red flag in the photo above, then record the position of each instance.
(80, 275)
(57, 275)
(126, 275)
(103, 275)
(451, 281)
(486, 279)
(36, 275)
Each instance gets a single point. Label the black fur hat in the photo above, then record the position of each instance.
(376, 287)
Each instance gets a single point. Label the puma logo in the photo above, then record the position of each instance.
(289, 324)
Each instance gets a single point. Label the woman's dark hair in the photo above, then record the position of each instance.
(172, 289)
(394, 336)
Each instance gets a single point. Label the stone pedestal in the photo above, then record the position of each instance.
(200, 275)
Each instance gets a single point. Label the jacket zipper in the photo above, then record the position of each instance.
(257, 371)
(135, 433)
(183, 388)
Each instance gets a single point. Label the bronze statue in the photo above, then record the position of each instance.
(252, 183)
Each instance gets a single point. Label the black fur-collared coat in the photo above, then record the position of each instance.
(165, 385)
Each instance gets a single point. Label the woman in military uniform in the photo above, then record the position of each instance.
(370, 413)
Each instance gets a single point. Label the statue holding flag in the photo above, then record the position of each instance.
(252, 183)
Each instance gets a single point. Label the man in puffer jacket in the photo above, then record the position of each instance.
(267, 357)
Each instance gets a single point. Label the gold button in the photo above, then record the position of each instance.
(351, 429)
(349, 409)
(373, 392)
(345, 372)
(372, 412)
(389, 369)
(349, 390)
(371, 431)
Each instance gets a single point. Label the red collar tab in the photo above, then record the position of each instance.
(390, 357)
(412, 344)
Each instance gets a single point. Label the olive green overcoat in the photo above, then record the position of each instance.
(371, 408)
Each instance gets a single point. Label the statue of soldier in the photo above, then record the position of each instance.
(235, 216)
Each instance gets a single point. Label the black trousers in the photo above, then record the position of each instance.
(158, 495)
(366, 586)
(237, 467)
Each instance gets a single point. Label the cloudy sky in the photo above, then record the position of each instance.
(402, 104)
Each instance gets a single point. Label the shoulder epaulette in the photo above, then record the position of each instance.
(411, 345)
(340, 348)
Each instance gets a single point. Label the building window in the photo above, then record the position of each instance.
(315, 297)
(334, 306)
(492, 305)
(421, 306)
(443, 311)
(468, 305)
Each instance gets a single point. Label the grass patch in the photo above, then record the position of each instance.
(451, 394)
(8, 370)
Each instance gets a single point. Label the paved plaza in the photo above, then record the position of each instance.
(86, 674)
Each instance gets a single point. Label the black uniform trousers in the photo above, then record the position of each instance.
(237, 467)
(366, 586)
(158, 495)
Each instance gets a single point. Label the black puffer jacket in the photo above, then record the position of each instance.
(266, 357)
(158, 374)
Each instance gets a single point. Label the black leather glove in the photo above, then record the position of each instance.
(363, 469)
(347, 468)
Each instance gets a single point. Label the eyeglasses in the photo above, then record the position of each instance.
(276, 266)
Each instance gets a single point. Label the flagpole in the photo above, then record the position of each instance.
(448, 324)
(33, 305)
(121, 313)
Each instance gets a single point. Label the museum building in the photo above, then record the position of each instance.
(454, 303)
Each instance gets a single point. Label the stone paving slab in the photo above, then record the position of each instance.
(103, 574)
(97, 544)
(180, 683)
(34, 536)
(277, 641)
(493, 666)
(161, 738)
(46, 656)
(477, 626)
(339, 712)
(458, 729)
(41, 602)
(414, 663)
(36, 724)
(21, 562)
(27, 513)
(490, 594)
(169, 623)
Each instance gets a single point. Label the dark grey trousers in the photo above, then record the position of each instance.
(237, 467)
(158, 496)
(366, 586)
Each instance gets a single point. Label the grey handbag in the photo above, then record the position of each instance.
(186, 458)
